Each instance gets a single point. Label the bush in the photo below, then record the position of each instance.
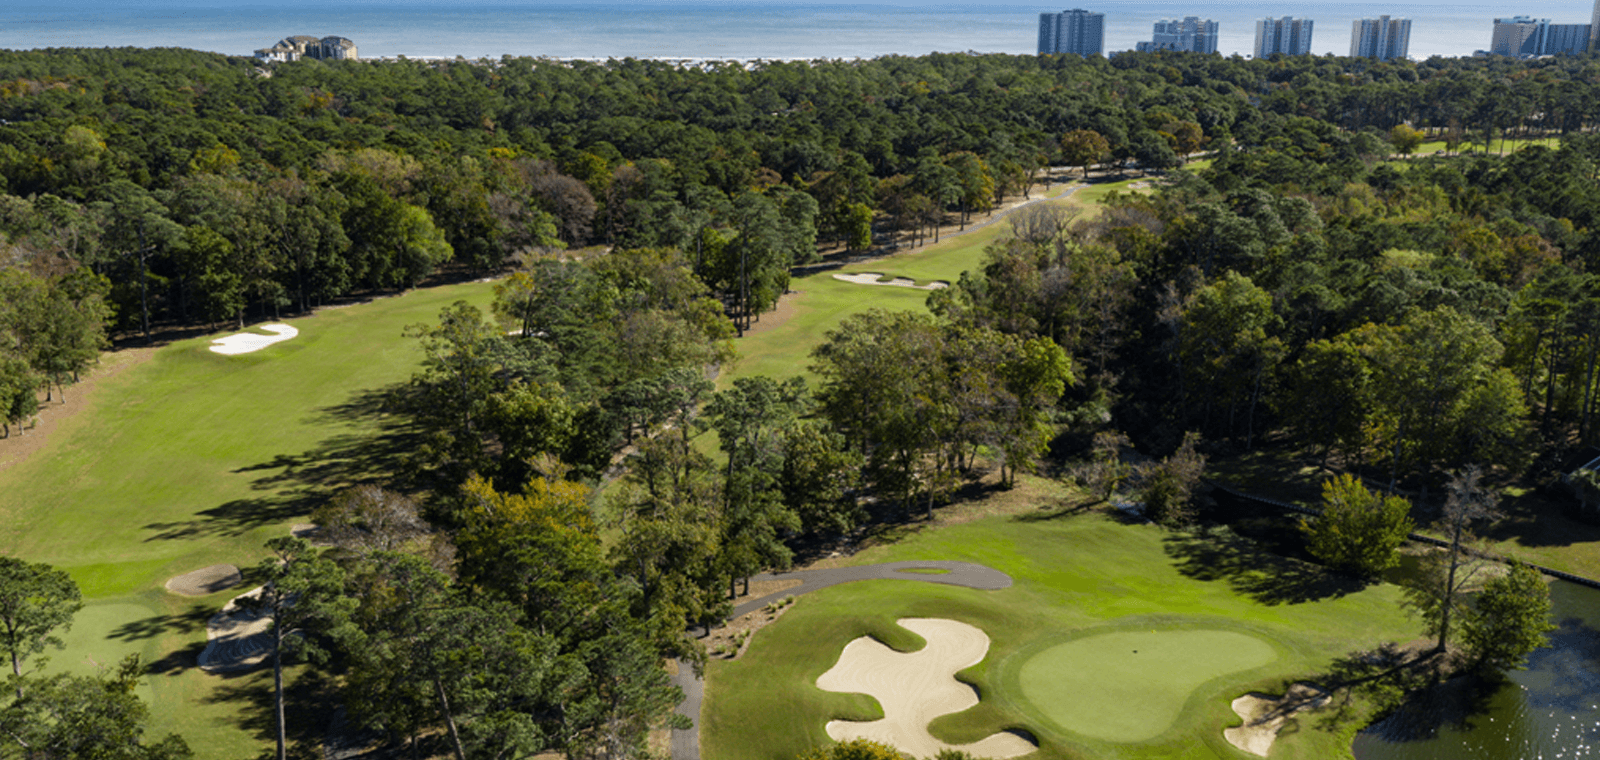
(1509, 621)
(856, 749)
(1168, 491)
(1359, 530)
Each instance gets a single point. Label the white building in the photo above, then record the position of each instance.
(1287, 35)
(305, 46)
(1381, 38)
(1190, 34)
(1075, 31)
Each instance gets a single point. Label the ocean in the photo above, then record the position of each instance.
(737, 29)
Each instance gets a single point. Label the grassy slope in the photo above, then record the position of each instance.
(181, 463)
(1076, 575)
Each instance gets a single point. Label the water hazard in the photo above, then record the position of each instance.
(1551, 710)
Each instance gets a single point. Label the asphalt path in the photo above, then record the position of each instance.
(686, 742)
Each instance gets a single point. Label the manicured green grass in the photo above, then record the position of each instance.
(1129, 686)
(193, 459)
(1077, 578)
(1497, 146)
(821, 304)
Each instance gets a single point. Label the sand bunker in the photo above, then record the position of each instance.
(874, 278)
(916, 687)
(236, 638)
(1264, 716)
(205, 581)
(244, 343)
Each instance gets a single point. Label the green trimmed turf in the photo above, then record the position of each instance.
(1076, 576)
(194, 458)
(1129, 686)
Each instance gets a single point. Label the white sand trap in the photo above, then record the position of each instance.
(206, 580)
(1264, 716)
(916, 687)
(874, 278)
(236, 639)
(244, 343)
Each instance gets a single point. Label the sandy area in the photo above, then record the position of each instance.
(205, 581)
(244, 343)
(874, 278)
(916, 687)
(236, 639)
(1264, 716)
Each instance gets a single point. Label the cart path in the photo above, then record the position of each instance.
(686, 742)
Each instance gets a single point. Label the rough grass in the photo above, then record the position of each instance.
(1077, 574)
(195, 458)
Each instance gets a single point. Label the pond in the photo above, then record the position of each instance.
(1551, 710)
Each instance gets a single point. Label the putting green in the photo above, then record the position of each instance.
(1130, 686)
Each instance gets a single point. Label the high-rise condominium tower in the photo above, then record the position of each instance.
(1381, 38)
(1594, 27)
(1526, 37)
(1287, 35)
(1190, 34)
(1518, 36)
(1075, 31)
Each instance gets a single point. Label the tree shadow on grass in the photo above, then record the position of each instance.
(1209, 553)
(178, 660)
(188, 621)
(1057, 509)
(310, 705)
(293, 485)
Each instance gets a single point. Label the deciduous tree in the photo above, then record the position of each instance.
(1509, 620)
(37, 603)
(1358, 530)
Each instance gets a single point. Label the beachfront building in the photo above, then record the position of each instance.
(1594, 27)
(1287, 35)
(1190, 35)
(1566, 39)
(1075, 31)
(305, 46)
(1527, 37)
(1381, 38)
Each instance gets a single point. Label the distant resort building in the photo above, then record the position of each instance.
(305, 46)
(1189, 35)
(1527, 37)
(1287, 35)
(1382, 38)
(1075, 31)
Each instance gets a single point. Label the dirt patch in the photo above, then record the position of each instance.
(783, 312)
(23, 443)
(730, 640)
(1265, 715)
(916, 687)
(205, 581)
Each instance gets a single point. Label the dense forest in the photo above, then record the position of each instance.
(1403, 316)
